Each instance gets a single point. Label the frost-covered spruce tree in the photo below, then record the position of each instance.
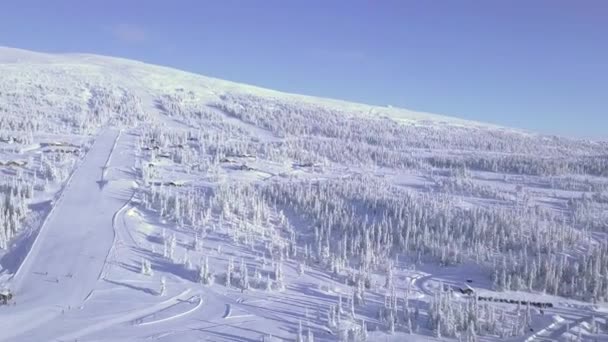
(244, 275)
(408, 324)
(196, 243)
(163, 286)
(165, 249)
(391, 321)
(202, 272)
(331, 317)
(300, 336)
(363, 335)
(172, 245)
(310, 336)
(146, 267)
(471, 335)
(205, 275)
(279, 275)
(3, 235)
(388, 284)
(268, 283)
(186, 260)
(229, 272)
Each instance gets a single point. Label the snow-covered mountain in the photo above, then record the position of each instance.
(161, 80)
(140, 202)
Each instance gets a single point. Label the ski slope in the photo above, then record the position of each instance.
(65, 263)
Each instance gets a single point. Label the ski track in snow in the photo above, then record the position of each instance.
(199, 303)
(118, 319)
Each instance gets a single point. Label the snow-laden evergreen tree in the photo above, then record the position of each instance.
(172, 244)
(300, 336)
(310, 336)
(186, 260)
(205, 275)
(279, 275)
(268, 283)
(352, 307)
(331, 317)
(244, 274)
(196, 244)
(229, 272)
(163, 286)
(389, 277)
(146, 267)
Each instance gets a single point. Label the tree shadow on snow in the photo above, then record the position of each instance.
(12, 259)
(161, 264)
(229, 337)
(132, 287)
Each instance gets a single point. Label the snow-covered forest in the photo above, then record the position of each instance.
(230, 212)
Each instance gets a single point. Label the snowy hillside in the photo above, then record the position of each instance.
(139, 202)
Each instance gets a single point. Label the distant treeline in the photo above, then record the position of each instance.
(515, 301)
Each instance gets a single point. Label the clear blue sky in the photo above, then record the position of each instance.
(540, 65)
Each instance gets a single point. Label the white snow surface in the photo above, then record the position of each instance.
(127, 163)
